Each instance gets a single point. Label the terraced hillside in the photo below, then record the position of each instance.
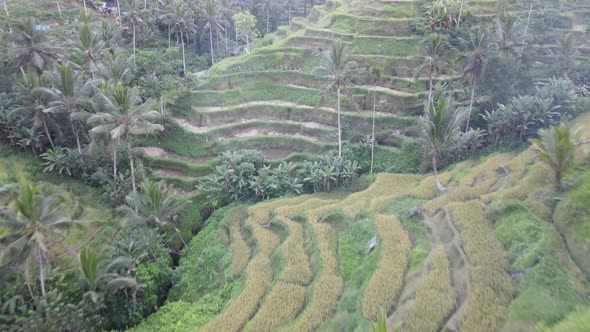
(483, 256)
(270, 100)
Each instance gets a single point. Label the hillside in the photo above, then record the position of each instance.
(270, 100)
(484, 256)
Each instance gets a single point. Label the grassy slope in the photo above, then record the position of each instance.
(500, 201)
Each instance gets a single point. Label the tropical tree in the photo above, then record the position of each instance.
(245, 23)
(479, 45)
(124, 114)
(133, 20)
(440, 126)
(69, 94)
(32, 49)
(30, 106)
(115, 67)
(374, 76)
(213, 22)
(566, 53)
(35, 219)
(434, 51)
(181, 20)
(268, 8)
(336, 68)
(99, 272)
(90, 44)
(555, 147)
(154, 204)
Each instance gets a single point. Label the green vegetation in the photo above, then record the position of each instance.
(208, 165)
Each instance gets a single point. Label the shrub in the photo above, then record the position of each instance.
(435, 297)
(385, 284)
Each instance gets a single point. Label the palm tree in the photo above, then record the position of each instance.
(124, 114)
(441, 130)
(566, 53)
(90, 44)
(115, 67)
(375, 76)
(31, 105)
(181, 21)
(268, 8)
(213, 22)
(35, 218)
(556, 147)
(32, 50)
(99, 271)
(155, 205)
(133, 20)
(336, 67)
(479, 46)
(69, 94)
(434, 49)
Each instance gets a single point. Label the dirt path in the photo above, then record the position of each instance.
(445, 234)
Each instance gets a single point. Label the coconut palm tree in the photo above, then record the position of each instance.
(154, 204)
(98, 272)
(434, 50)
(31, 105)
(133, 20)
(90, 44)
(69, 94)
(336, 68)
(32, 50)
(375, 76)
(479, 45)
(213, 22)
(115, 67)
(441, 130)
(181, 20)
(124, 114)
(555, 147)
(268, 8)
(36, 218)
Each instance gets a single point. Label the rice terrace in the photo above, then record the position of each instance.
(295, 165)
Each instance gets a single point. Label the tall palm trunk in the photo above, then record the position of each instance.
(460, 13)
(434, 169)
(373, 129)
(119, 10)
(183, 56)
(225, 27)
(169, 37)
(85, 9)
(267, 21)
(528, 20)
(115, 161)
(429, 88)
(77, 136)
(339, 127)
(131, 165)
(211, 44)
(8, 16)
(58, 8)
(133, 43)
(471, 105)
(44, 121)
(41, 273)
